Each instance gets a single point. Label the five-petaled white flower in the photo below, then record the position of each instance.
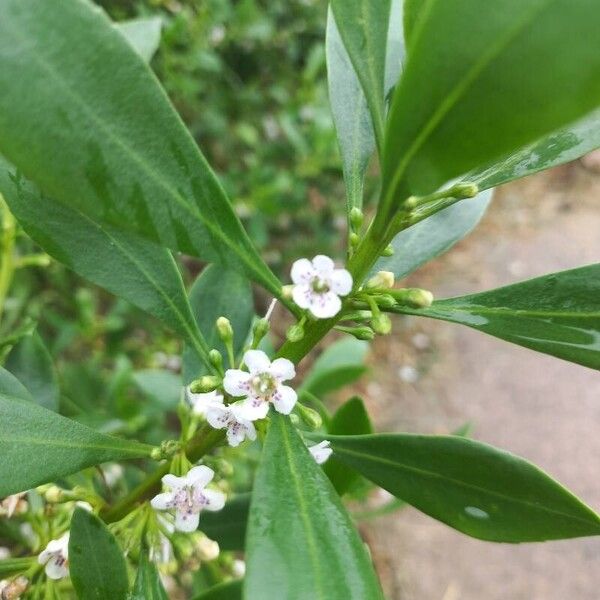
(232, 418)
(261, 385)
(318, 286)
(321, 451)
(56, 557)
(188, 496)
(201, 402)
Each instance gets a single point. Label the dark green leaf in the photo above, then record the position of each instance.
(478, 82)
(143, 35)
(363, 27)
(147, 584)
(121, 262)
(225, 591)
(414, 11)
(340, 364)
(30, 362)
(38, 446)
(433, 236)
(96, 562)
(219, 293)
(350, 419)
(94, 130)
(228, 526)
(11, 386)
(301, 542)
(558, 314)
(484, 492)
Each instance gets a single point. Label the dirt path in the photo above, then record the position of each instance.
(433, 377)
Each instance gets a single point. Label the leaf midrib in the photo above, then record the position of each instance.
(499, 310)
(141, 451)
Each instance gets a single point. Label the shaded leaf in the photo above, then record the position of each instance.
(228, 526)
(162, 386)
(143, 34)
(11, 386)
(231, 590)
(148, 585)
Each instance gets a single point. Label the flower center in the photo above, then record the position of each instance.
(189, 500)
(320, 286)
(263, 385)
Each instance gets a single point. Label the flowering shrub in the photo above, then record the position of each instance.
(99, 171)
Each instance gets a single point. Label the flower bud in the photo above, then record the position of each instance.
(54, 494)
(207, 549)
(205, 384)
(382, 279)
(420, 298)
(381, 324)
(216, 360)
(295, 333)
(385, 300)
(238, 568)
(465, 190)
(260, 329)
(287, 291)
(354, 239)
(310, 417)
(224, 329)
(389, 251)
(356, 218)
(361, 333)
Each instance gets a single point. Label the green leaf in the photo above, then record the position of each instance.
(396, 48)
(231, 590)
(121, 262)
(414, 12)
(162, 386)
(228, 526)
(433, 236)
(477, 83)
(11, 386)
(219, 293)
(147, 584)
(38, 446)
(96, 562)
(142, 34)
(363, 27)
(558, 314)
(350, 419)
(30, 362)
(301, 542)
(340, 364)
(484, 492)
(93, 128)
(565, 145)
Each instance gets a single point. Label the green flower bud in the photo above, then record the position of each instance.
(205, 384)
(354, 239)
(295, 333)
(382, 279)
(287, 291)
(465, 190)
(356, 218)
(224, 329)
(361, 333)
(216, 360)
(381, 324)
(260, 329)
(310, 417)
(385, 300)
(389, 251)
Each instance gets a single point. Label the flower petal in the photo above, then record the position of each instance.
(199, 476)
(162, 501)
(56, 568)
(235, 436)
(284, 399)
(340, 282)
(172, 481)
(323, 264)
(253, 409)
(321, 451)
(236, 382)
(302, 295)
(186, 521)
(43, 556)
(283, 369)
(218, 416)
(201, 402)
(302, 271)
(325, 305)
(216, 500)
(257, 361)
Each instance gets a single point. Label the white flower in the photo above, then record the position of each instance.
(321, 451)
(202, 402)
(318, 286)
(56, 558)
(188, 496)
(261, 385)
(238, 568)
(231, 418)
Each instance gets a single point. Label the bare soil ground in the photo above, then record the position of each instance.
(536, 406)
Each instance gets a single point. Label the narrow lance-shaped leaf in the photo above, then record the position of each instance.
(11, 386)
(363, 27)
(301, 543)
(96, 563)
(121, 262)
(93, 128)
(414, 12)
(558, 314)
(148, 585)
(486, 93)
(484, 492)
(396, 49)
(30, 362)
(142, 34)
(38, 446)
(218, 293)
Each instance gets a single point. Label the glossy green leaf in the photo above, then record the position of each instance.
(231, 590)
(301, 542)
(148, 585)
(350, 419)
(484, 492)
(30, 362)
(363, 27)
(228, 526)
(433, 236)
(565, 145)
(414, 11)
(142, 34)
(38, 446)
(11, 386)
(121, 262)
(219, 293)
(558, 314)
(96, 563)
(340, 364)
(487, 92)
(93, 129)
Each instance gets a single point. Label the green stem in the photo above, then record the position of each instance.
(7, 244)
